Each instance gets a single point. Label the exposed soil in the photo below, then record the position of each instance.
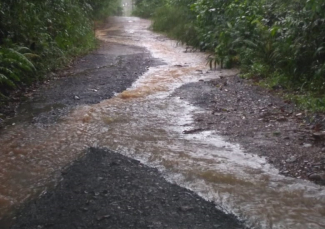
(262, 123)
(107, 190)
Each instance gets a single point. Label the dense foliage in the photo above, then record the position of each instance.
(280, 41)
(146, 8)
(40, 35)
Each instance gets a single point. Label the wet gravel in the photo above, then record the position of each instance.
(263, 123)
(107, 190)
(98, 76)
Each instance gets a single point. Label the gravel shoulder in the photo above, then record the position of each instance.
(110, 69)
(264, 124)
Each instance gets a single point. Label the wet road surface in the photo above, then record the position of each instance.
(147, 123)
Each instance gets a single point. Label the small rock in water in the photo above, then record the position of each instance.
(192, 131)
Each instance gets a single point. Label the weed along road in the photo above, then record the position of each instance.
(140, 134)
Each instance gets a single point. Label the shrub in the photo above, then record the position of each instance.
(54, 31)
(266, 38)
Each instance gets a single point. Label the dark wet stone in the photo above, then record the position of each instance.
(317, 177)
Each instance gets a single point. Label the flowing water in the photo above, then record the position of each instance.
(146, 123)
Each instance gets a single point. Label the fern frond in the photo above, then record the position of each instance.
(31, 55)
(22, 49)
(9, 74)
(5, 81)
(25, 62)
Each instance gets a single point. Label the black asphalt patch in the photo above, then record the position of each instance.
(107, 190)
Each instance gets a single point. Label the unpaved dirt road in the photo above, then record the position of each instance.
(142, 96)
(100, 189)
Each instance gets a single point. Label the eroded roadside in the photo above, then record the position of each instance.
(262, 123)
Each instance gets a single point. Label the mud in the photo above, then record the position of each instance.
(107, 190)
(262, 122)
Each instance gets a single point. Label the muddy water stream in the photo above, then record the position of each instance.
(145, 122)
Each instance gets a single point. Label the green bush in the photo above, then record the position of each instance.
(266, 38)
(175, 20)
(13, 64)
(54, 31)
(147, 8)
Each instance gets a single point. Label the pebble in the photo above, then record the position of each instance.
(100, 218)
(319, 135)
(317, 176)
(282, 119)
(307, 145)
(291, 159)
(186, 208)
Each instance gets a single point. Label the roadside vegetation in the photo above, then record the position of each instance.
(39, 36)
(279, 43)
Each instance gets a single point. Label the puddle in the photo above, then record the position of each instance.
(146, 123)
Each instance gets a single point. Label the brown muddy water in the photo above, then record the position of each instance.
(146, 123)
